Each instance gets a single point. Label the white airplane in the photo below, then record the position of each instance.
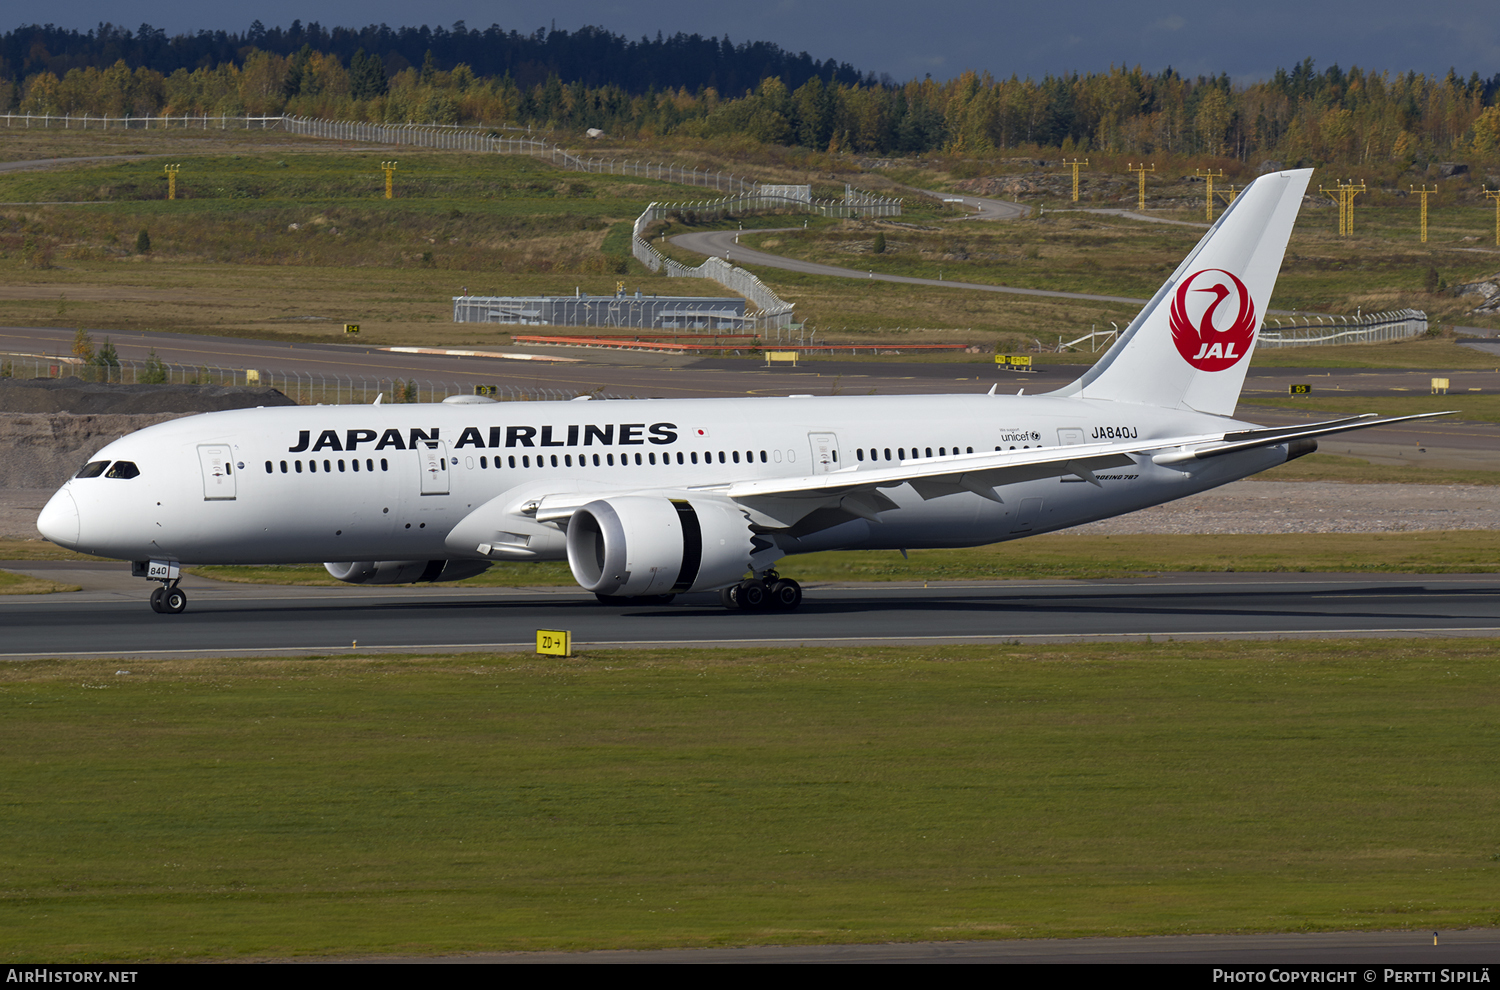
(647, 499)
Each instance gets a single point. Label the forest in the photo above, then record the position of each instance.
(705, 88)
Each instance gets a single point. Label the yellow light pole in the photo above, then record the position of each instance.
(1495, 195)
(1208, 205)
(390, 177)
(1350, 191)
(1344, 192)
(171, 171)
(1075, 165)
(1142, 169)
(1228, 197)
(1424, 192)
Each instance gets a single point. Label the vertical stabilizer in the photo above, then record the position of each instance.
(1191, 346)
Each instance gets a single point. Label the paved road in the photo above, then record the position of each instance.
(721, 243)
(688, 377)
(1359, 950)
(114, 619)
(1133, 215)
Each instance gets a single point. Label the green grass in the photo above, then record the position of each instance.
(242, 809)
(21, 584)
(1055, 555)
(499, 221)
(1471, 406)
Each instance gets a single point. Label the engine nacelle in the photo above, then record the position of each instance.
(658, 545)
(404, 571)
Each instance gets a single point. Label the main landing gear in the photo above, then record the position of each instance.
(771, 593)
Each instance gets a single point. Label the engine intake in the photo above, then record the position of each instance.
(404, 571)
(657, 545)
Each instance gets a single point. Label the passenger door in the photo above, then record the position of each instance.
(218, 472)
(825, 452)
(432, 459)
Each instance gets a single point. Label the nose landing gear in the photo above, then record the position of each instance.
(772, 592)
(169, 599)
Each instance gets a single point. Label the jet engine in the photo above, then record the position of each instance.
(404, 571)
(635, 545)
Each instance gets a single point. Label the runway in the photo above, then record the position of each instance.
(113, 619)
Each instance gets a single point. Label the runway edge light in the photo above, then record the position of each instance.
(554, 642)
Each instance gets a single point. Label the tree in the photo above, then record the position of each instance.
(367, 78)
(143, 242)
(83, 345)
(878, 247)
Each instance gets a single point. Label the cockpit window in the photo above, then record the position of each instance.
(123, 469)
(92, 469)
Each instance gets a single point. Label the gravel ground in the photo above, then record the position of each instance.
(1242, 507)
(1316, 507)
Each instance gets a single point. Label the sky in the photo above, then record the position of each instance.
(908, 40)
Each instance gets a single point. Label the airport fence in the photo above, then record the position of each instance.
(1369, 328)
(749, 194)
(774, 312)
(303, 387)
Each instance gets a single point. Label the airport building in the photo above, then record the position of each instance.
(655, 312)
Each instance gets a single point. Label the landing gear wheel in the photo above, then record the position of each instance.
(173, 600)
(785, 595)
(156, 596)
(730, 597)
(752, 596)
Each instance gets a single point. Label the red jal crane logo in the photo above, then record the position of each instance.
(1212, 320)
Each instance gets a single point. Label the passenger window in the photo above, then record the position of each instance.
(283, 467)
(327, 466)
(736, 457)
(122, 469)
(298, 466)
(341, 465)
(268, 467)
(763, 457)
(484, 462)
(384, 465)
(512, 460)
(355, 464)
(721, 457)
(312, 467)
(859, 453)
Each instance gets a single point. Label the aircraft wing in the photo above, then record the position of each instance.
(783, 502)
(856, 491)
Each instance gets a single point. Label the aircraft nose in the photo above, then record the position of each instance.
(59, 520)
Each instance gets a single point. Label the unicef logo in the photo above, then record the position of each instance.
(1212, 320)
